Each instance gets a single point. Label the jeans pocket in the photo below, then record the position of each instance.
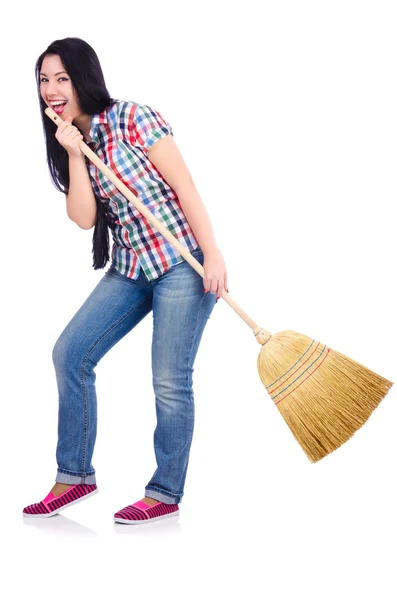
(198, 255)
(113, 272)
(197, 252)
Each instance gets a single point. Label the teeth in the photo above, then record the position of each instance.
(56, 103)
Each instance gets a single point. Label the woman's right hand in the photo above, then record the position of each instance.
(69, 137)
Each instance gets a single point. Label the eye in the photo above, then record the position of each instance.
(60, 79)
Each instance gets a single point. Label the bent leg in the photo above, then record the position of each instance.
(115, 306)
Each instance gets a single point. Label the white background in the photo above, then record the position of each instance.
(285, 113)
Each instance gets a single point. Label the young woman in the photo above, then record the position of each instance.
(146, 273)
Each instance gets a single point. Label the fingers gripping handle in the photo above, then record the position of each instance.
(260, 334)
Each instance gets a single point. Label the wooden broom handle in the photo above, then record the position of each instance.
(261, 334)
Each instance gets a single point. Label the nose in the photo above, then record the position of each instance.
(51, 89)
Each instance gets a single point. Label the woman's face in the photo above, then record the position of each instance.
(56, 85)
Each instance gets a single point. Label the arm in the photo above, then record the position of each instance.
(165, 156)
(80, 201)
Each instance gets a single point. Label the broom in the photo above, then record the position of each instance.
(323, 396)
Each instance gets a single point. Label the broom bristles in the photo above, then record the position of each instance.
(323, 396)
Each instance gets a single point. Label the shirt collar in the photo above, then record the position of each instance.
(96, 121)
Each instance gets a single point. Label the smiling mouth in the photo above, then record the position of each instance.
(58, 108)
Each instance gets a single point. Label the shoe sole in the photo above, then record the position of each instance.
(145, 521)
(57, 510)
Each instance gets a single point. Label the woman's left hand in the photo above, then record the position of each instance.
(215, 276)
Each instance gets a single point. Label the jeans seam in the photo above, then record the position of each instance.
(190, 351)
(83, 370)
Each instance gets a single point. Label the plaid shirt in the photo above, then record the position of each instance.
(121, 136)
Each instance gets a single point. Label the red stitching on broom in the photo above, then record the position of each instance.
(297, 369)
(310, 374)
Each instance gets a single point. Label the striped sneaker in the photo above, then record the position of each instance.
(139, 512)
(51, 505)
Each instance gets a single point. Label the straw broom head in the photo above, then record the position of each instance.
(323, 396)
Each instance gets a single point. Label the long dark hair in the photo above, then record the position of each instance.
(83, 66)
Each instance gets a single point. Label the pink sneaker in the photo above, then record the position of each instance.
(139, 512)
(51, 505)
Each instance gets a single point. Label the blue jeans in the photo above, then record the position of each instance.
(181, 309)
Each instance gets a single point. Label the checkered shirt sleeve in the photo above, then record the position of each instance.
(146, 126)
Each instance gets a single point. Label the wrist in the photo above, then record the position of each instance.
(73, 155)
(209, 247)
